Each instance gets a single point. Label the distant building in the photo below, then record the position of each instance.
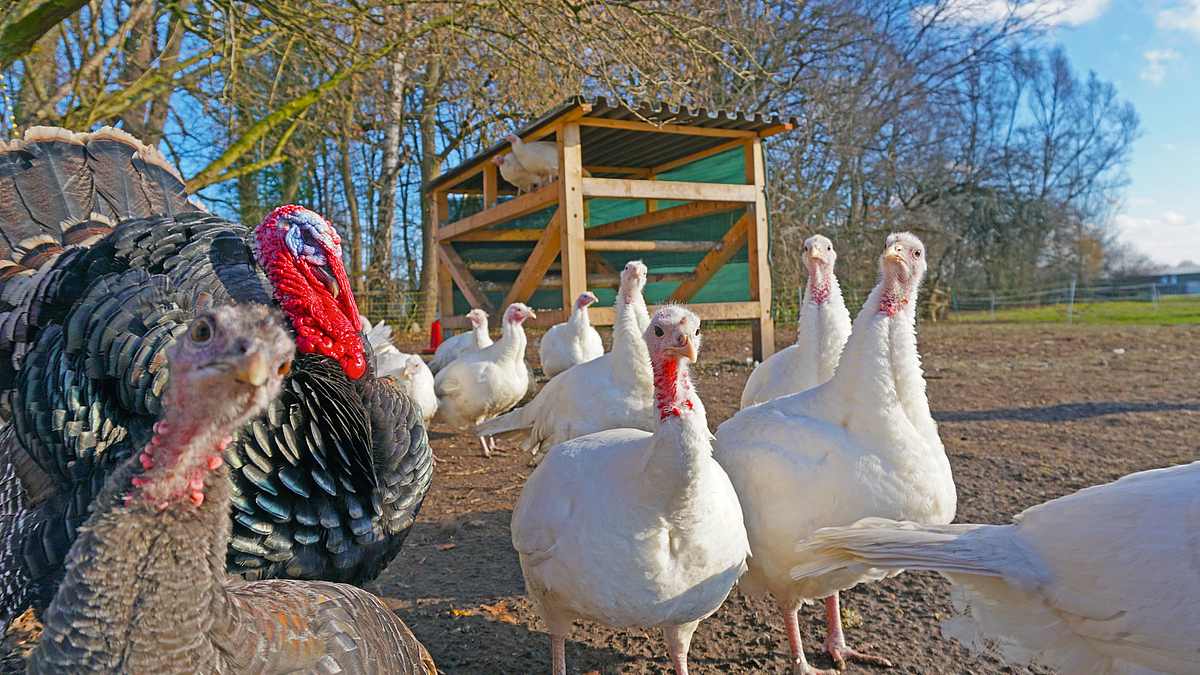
(1183, 280)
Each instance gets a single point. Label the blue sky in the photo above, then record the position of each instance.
(1151, 51)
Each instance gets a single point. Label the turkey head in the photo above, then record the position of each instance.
(902, 267)
(302, 254)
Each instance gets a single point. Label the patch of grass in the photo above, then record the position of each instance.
(1171, 309)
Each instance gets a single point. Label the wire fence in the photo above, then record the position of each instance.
(399, 309)
(1068, 294)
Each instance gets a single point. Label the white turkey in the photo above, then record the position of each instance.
(613, 391)
(146, 590)
(1100, 582)
(634, 529)
(512, 171)
(862, 444)
(416, 381)
(821, 332)
(106, 261)
(573, 341)
(389, 360)
(488, 382)
(463, 343)
(539, 158)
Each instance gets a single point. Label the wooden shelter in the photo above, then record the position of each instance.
(684, 190)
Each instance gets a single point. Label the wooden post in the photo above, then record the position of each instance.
(762, 327)
(570, 204)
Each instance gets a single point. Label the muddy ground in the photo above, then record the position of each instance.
(1027, 413)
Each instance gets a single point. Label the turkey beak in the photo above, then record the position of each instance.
(532, 315)
(893, 253)
(815, 253)
(326, 277)
(253, 369)
(688, 349)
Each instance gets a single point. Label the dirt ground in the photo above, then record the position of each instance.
(1027, 413)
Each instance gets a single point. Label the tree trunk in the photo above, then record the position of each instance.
(431, 166)
(385, 231)
(356, 268)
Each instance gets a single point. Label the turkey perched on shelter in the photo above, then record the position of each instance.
(539, 158)
(821, 332)
(1100, 582)
(573, 341)
(463, 343)
(146, 591)
(110, 263)
(613, 391)
(487, 382)
(513, 172)
(862, 444)
(631, 528)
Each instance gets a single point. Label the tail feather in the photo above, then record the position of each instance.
(118, 192)
(514, 420)
(878, 543)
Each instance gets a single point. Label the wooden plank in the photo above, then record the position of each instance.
(620, 188)
(625, 169)
(530, 234)
(535, 268)
(583, 109)
(445, 290)
(503, 265)
(659, 218)
(509, 210)
(696, 157)
(489, 184)
(463, 277)
(594, 281)
(574, 262)
(724, 311)
(635, 125)
(597, 264)
(762, 328)
(733, 241)
(652, 245)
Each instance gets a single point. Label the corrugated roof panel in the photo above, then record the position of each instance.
(603, 146)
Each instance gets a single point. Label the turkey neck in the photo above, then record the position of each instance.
(880, 370)
(630, 355)
(479, 334)
(140, 577)
(579, 319)
(816, 326)
(511, 345)
(680, 443)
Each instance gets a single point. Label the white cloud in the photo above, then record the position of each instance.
(1185, 18)
(1050, 13)
(1157, 61)
(1169, 239)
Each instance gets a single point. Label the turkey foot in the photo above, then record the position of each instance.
(800, 665)
(835, 644)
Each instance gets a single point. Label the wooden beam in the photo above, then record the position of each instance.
(696, 157)
(659, 218)
(593, 281)
(636, 245)
(620, 188)
(597, 264)
(503, 265)
(777, 129)
(583, 109)
(605, 316)
(732, 242)
(529, 234)
(509, 210)
(574, 262)
(635, 125)
(463, 277)
(762, 328)
(625, 169)
(445, 290)
(535, 268)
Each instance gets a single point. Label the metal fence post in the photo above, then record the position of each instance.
(1071, 303)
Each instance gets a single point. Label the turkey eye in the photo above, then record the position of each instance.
(697, 331)
(284, 368)
(308, 237)
(201, 331)
(917, 253)
(658, 331)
